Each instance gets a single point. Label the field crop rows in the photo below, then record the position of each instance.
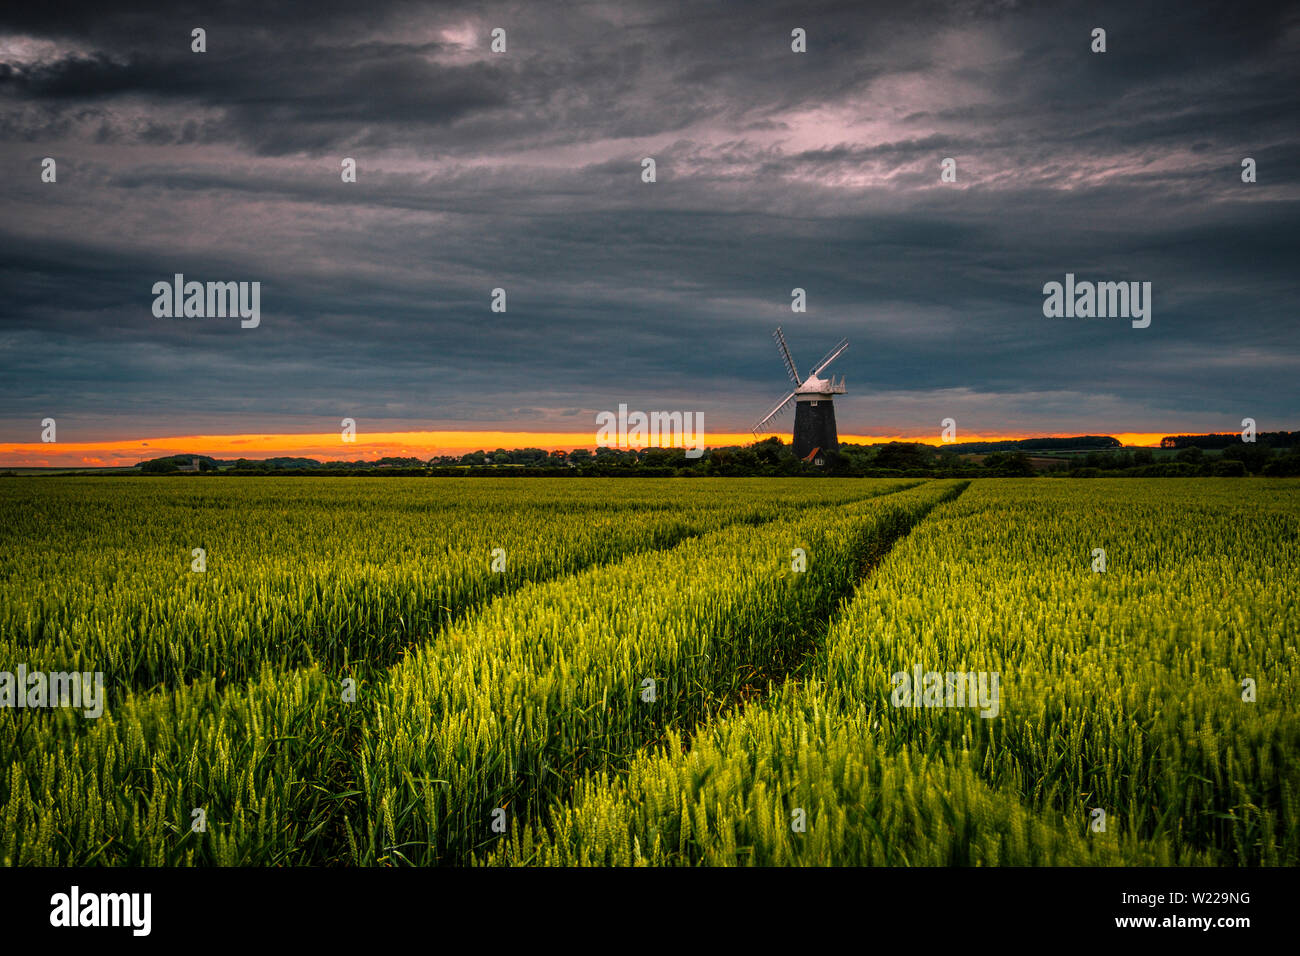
(668, 672)
(268, 747)
(540, 687)
(96, 574)
(1121, 691)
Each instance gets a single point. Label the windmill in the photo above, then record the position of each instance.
(814, 414)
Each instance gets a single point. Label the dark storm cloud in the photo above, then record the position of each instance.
(522, 171)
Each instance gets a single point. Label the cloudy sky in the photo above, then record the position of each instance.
(523, 170)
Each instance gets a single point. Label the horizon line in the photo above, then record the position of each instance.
(329, 446)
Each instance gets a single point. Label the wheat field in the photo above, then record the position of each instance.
(392, 672)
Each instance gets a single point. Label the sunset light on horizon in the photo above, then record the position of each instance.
(327, 446)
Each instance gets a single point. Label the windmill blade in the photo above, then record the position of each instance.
(830, 357)
(780, 407)
(785, 354)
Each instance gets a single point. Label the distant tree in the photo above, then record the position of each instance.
(770, 451)
(1253, 455)
(662, 457)
(903, 455)
(1228, 468)
(853, 459)
(1285, 466)
(1013, 464)
(526, 456)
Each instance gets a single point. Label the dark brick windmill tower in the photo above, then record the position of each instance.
(814, 413)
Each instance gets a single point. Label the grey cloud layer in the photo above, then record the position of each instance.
(522, 171)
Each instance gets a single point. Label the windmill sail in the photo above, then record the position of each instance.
(785, 355)
(830, 357)
(780, 407)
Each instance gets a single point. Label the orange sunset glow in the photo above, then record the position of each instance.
(327, 446)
